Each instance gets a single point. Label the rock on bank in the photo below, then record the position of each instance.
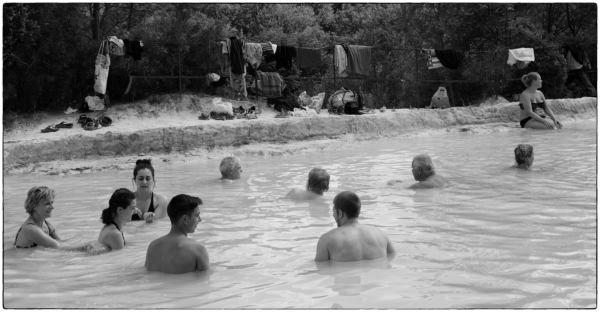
(174, 128)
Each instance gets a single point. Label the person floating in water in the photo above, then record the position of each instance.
(39, 205)
(150, 206)
(533, 99)
(120, 208)
(424, 172)
(175, 253)
(317, 184)
(230, 168)
(351, 241)
(524, 156)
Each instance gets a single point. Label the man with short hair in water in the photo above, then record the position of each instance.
(175, 253)
(351, 241)
(317, 184)
(524, 156)
(230, 168)
(424, 172)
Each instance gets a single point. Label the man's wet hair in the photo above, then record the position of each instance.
(348, 202)
(424, 161)
(523, 152)
(181, 205)
(227, 165)
(318, 180)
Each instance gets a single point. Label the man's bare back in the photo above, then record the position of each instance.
(176, 255)
(431, 182)
(299, 194)
(354, 242)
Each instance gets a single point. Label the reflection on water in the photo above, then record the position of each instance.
(497, 237)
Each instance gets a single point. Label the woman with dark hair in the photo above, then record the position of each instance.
(39, 205)
(120, 208)
(151, 206)
(533, 99)
(524, 156)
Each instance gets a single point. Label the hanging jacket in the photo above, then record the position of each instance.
(450, 58)
(236, 56)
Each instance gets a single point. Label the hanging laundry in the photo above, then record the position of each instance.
(223, 57)
(283, 56)
(273, 47)
(451, 58)
(116, 46)
(133, 48)
(267, 49)
(116, 40)
(359, 59)
(340, 60)
(238, 82)
(432, 60)
(523, 54)
(253, 54)
(308, 57)
(579, 57)
(236, 56)
(212, 77)
(270, 84)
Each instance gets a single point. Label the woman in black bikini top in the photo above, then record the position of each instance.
(532, 99)
(120, 208)
(39, 206)
(143, 179)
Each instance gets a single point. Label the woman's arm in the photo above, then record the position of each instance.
(36, 235)
(160, 211)
(114, 240)
(549, 111)
(52, 230)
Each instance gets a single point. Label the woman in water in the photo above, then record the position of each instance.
(37, 229)
(152, 206)
(532, 99)
(120, 208)
(524, 156)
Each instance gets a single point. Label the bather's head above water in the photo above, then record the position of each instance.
(318, 181)
(120, 207)
(346, 206)
(422, 167)
(524, 156)
(39, 201)
(184, 212)
(230, 168)
(143, 175)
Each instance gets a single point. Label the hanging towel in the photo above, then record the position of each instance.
(116, 40)
(253, 54)
(283, 57)
(449, 58)
(267, 49)
(236, 56)
(270, 84)
(432, 60)
(223, 56)
(522, 54)
(359, 59)
(115, 49)
(273, 47)
(308, 57)
(341, 60)
(135, 50)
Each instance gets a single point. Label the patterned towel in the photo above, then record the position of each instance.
(271, 84)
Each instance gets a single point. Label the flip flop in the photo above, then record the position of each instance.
(50, 128)
(64, 124)
(204, 117)
(251, 116)
(82, 119)
(92, 125)
(105, 121)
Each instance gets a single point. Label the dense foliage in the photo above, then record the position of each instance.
(50, 48)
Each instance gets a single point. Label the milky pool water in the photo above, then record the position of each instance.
(498, 237)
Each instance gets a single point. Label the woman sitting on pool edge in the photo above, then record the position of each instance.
(532, 99)
(524, 156)
(151, 206)
(39, 206)
(120, 208)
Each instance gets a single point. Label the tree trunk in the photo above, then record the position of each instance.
(550, 20)
(95, 20)
(129, 18)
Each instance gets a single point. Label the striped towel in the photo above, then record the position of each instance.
(432, 60)
(270, 84)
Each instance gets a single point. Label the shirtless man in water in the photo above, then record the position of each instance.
(351, 241)
(424, 172)
(318, 182)
(175, 253)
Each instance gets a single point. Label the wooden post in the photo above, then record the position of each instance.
(334, 70)
(417, 78)
(180, 83)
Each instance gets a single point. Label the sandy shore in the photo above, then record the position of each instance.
(171, 131)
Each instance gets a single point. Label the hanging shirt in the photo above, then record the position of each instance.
(236, 56)
(523, 54)
(450, 58)
(253, 54)
(223, 57)
(341, 60)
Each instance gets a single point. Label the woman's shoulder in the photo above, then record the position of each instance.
(160, 197)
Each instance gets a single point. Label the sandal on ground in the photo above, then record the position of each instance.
(82, 119)
(92, 125)
(64, 124)
(105, 121)
(50, 128)
(251, 116)
(204, 117)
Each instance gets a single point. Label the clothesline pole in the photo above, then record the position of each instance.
(180, 84)
(417, 76)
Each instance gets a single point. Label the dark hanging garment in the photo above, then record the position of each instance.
(283, 56)
(577, 52)
(126, 47)
(449, 58)
(136, 49)
(308, 57)
(359, 59)
(236, 56)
